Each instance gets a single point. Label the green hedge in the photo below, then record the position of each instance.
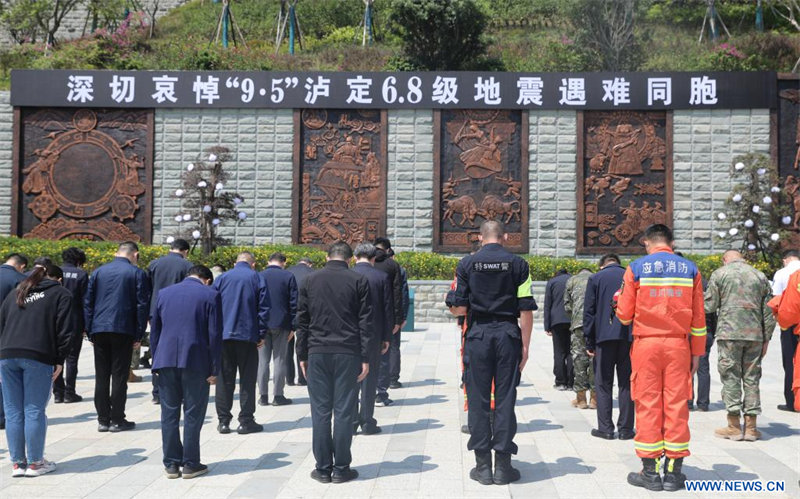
(418, 265)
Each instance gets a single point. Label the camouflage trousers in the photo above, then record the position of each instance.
(581, 363)
(740, 369)
(136, 356)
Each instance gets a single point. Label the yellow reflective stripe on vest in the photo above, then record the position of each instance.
(699, 331)
(524, 290)
(684, 282)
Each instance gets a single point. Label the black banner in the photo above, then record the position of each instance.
(410, 90)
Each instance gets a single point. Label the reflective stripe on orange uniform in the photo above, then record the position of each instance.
(787, 308)
(662, 295)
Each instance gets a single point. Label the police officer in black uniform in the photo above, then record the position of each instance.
(494, 287)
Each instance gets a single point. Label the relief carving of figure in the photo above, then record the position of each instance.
(481, 154)
(624, 156)
(792, 189)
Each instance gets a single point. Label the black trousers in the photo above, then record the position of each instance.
(611, 356)
(112, 361)
(369, 387)
(290, 363)
(703, 390)
(492, 351)
(788, 347)
(333, 390)
(562, 360)
(241, 356)
(394, 358)
(65, 383)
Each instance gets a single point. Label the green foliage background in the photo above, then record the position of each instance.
(419, 265)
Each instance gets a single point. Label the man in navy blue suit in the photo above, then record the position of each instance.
(186, 344)
(380, 290)
(245, 305)
(300, 271)
(609, 342)
(283, 307)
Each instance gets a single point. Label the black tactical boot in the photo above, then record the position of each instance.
(503, 472)
(482, 472)
(673, 478)
(649, 477)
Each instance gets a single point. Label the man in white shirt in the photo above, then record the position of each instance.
(791, 264)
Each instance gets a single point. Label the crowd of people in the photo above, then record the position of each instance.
(652, 325)
(203, 327)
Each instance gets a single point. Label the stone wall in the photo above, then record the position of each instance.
(261, 141)
(704, 145)
(429, 300)
(6, 153)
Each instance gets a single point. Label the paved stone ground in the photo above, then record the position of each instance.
(421, 452)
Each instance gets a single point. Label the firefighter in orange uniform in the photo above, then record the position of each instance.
(662, 295)
(787, 311)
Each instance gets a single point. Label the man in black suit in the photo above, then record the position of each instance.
(11, 274)
(556, 324)
(609, 343)
(76, 280)
(300, 271)
(334, 315)
(380, 288)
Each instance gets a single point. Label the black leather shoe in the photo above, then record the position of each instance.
(649, 478)
(344, 476)
(263, 400)
(156, 400)
(321, 476)
(251, 427)
(290, 383)
(3, 424)
(371, 430)
(58, 399)
(702, 408)
(465, 429)
(601, 434)
(123, 425)
(102, 428)
(395, 385)
(224, 427)
(189, 472)
(626, 435)
(172, 471)
(785, 407)
(69, 398)
(281, 400)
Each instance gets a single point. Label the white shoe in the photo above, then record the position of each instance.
(42, 467)
(18, 470)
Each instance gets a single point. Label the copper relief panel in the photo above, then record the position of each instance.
(341, 170)
(788, 148)
(84, 174)
(480, 174)
(625, 179)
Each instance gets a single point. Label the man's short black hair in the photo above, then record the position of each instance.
(340, 250)
(608, 258)
(43, 261)
(791, 254)
(659, 232)
(180, 245)
(202, 272)
(305, 260)
(17, 259)
(128, 247)
(382, 243)
(277, 257)
(73, 256)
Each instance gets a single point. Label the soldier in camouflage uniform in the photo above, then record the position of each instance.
(738, 294)
(581, 363)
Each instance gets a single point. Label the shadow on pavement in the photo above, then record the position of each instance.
(424, 382)
(271, 461)
(718, 471)
(538, 472)
(78, 418)
(278, 426)
(430, 399)
(774, 430)
(122, 459)
(531, 401)
(409, 465)
(420, 425)
(538, 425)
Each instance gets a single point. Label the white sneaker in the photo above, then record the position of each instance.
(18, 470)
(42, 467)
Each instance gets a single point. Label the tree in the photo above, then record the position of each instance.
(606, 32)
(440, 34)
(207, 200)
(789, 10)
(757, 215)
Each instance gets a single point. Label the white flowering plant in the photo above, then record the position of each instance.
(207, 200)
(756, 214)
